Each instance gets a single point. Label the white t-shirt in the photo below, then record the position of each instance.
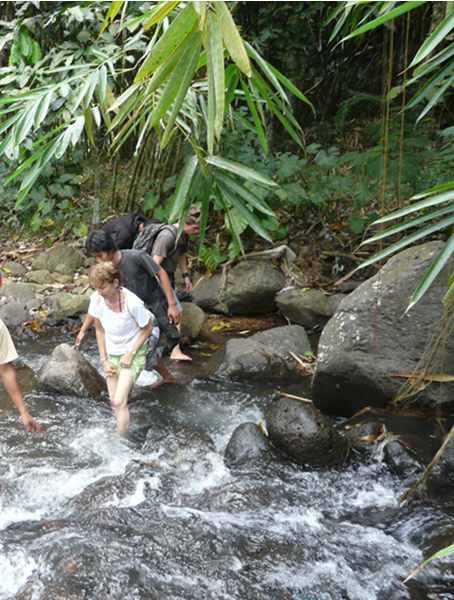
(121, 328)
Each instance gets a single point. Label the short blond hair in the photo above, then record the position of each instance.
(104, 272)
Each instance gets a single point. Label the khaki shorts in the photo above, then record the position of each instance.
(7, 350)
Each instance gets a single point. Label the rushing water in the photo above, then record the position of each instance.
(87, 515)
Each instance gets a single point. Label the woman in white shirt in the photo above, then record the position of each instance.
(123, 325)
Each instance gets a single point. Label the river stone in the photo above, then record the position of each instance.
(246, 444)
(20, 291)
(400, 460)
(62, 258)
(41, 276)
(14, 268)
(65, 304)
(371, 337)
(265, 354)
(307, 307)
(303, 433)
(192, 320)
(14, 313)
(249, 288)
(334, 302)
(441, 477)
(68, 372)
(177, 444)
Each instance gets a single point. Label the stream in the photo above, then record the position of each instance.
(85, 514)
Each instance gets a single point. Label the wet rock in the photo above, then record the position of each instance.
(307, 307)
(363, 432)
(68, 372)
(27, 378)
(400, 459)
(20, 291)
(65, 304)
(441, 476)
(41, 276)
(334, 302)
(62, 258)
(192, 320)
(265, 354)
(304, 434)
(371, 337)
(249, 288)
(14, 313)
(14, 268)
(246, 444)
(178, 445)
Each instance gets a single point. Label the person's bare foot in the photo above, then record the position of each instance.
(177, 354)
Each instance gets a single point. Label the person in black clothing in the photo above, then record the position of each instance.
(125, 229)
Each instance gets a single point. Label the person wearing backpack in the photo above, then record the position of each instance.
(162, 243)
(125, 229)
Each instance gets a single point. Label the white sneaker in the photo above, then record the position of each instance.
(149, 378)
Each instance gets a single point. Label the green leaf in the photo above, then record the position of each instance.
(407, 241)
(113, 11)
(440, 554)
(181, 199)
(246, 214)
(435, 98)
(431, 273)
(25, 42)
(232, 38)
(180, 78)
(240, 170)
(244, 193)
(158, 13)
(233, 227)
(89, 129)
(389, 16)
(267, 71)
(36, 55)
(25, 124)
(256, 118)
(426, 203)
(216, 56)
(173, 37)
(102, 84)
(43, 108)
(441, 187)
(438, 35)
(210, 106)
(291, 87)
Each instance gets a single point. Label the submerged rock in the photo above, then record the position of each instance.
(68, 372)
(266, 354)
(441, 476)
(400, 459)
(371, 338)
(304, 434)
(247, 443)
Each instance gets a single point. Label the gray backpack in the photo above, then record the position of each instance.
(148, 235)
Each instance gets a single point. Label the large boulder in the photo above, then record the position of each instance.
(249, 288)
(13, 268)
(192, 320)
(62, 258)
(371, 338)
(65, 304)
(247, 444)
(14, 312)
(20, 291)
(68, 372)
(306, 307)
(303, 433)
(265, 354)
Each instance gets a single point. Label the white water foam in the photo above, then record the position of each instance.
(15, 569)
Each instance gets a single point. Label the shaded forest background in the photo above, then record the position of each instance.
(362, 152)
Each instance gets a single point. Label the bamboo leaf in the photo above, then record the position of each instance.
(25, 124)
(426, 203)
(216, 55)
(159, 12)
(259, 126)
(89, 129)
(291, 87)
(102, 85)
(43, 108)
(245, 194)
(114, 9)
(432, 272)
(180, 78)
(267, 71)
(183, 186)
(407, 241)
(232, 223)
(169, 42)
(210, 105)
(441, 187)
(435, 98)
(232, 38)
(240, 170)
(440, 554)
(438, 35)
(245, 213)
(389, 16)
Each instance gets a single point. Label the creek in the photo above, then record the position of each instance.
(87, 515)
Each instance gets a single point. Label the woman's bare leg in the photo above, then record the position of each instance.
(120, 400)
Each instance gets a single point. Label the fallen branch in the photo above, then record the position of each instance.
(300, 398)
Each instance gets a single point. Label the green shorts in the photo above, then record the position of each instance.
(137, 365)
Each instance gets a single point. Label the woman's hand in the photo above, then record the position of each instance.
(30, 424)
(126, 360)
(108, 367)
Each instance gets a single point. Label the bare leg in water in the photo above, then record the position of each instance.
(119, 387)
